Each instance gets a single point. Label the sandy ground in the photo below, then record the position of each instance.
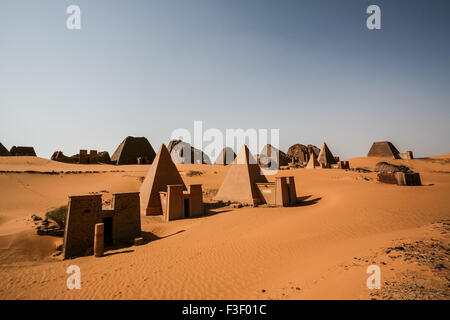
(319, 249)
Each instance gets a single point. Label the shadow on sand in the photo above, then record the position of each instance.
(119, 252)
(214, 205)
(149, 236)
(306, 201)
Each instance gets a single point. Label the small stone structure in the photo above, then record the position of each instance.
(88, 158)
(99, 239)
(133, 148)
(341, 165)
(22, 151)
(400, 175)
(122, 222)
(93, 157)
(281, 193)
(177, 203)
(408, 155)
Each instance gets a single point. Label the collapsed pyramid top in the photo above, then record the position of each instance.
(383, 149)
(239, 184)
(162, 173)
(131, 149)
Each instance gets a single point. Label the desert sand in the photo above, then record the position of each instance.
(319, 249)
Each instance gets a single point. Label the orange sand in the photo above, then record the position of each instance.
(299, 252)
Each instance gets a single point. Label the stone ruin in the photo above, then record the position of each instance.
(134, 150)
(386, 149)
(300, 154)
(122, 222)
(22, 151)
(163, 191)
(183, 153)
(93, 157)
(225, 157)
(244, 184)
(397, 174)
(271, 157)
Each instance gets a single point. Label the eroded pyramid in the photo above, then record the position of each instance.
(384, 149)
(131, 149)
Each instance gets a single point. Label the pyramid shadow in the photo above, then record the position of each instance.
(306, 201)
(120, 252)
(150, 236)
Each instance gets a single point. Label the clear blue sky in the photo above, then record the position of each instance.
(144, 68)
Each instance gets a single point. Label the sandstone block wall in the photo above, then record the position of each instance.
(85, 211)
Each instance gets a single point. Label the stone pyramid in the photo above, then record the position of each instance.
(272, 157)
(239, 184)
(313, 163)
(3, 151)
(163, 172)
(325, 156)
(226, 156)
(384, 149)
(132, 148)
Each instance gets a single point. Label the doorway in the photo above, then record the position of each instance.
(186, 208)
(108, 222)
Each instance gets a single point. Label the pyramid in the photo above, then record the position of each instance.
(272, 157)
(21, 151)
(240, 182)
(325, 156)
(163, 172)
(384, 149)
(226, 156)
(313, 163)
(3, 151)
(177, 149)
(131, 149)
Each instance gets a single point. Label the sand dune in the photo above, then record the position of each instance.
(301, 252)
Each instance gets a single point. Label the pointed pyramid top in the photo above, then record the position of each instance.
(325, 155)
(163, 172)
